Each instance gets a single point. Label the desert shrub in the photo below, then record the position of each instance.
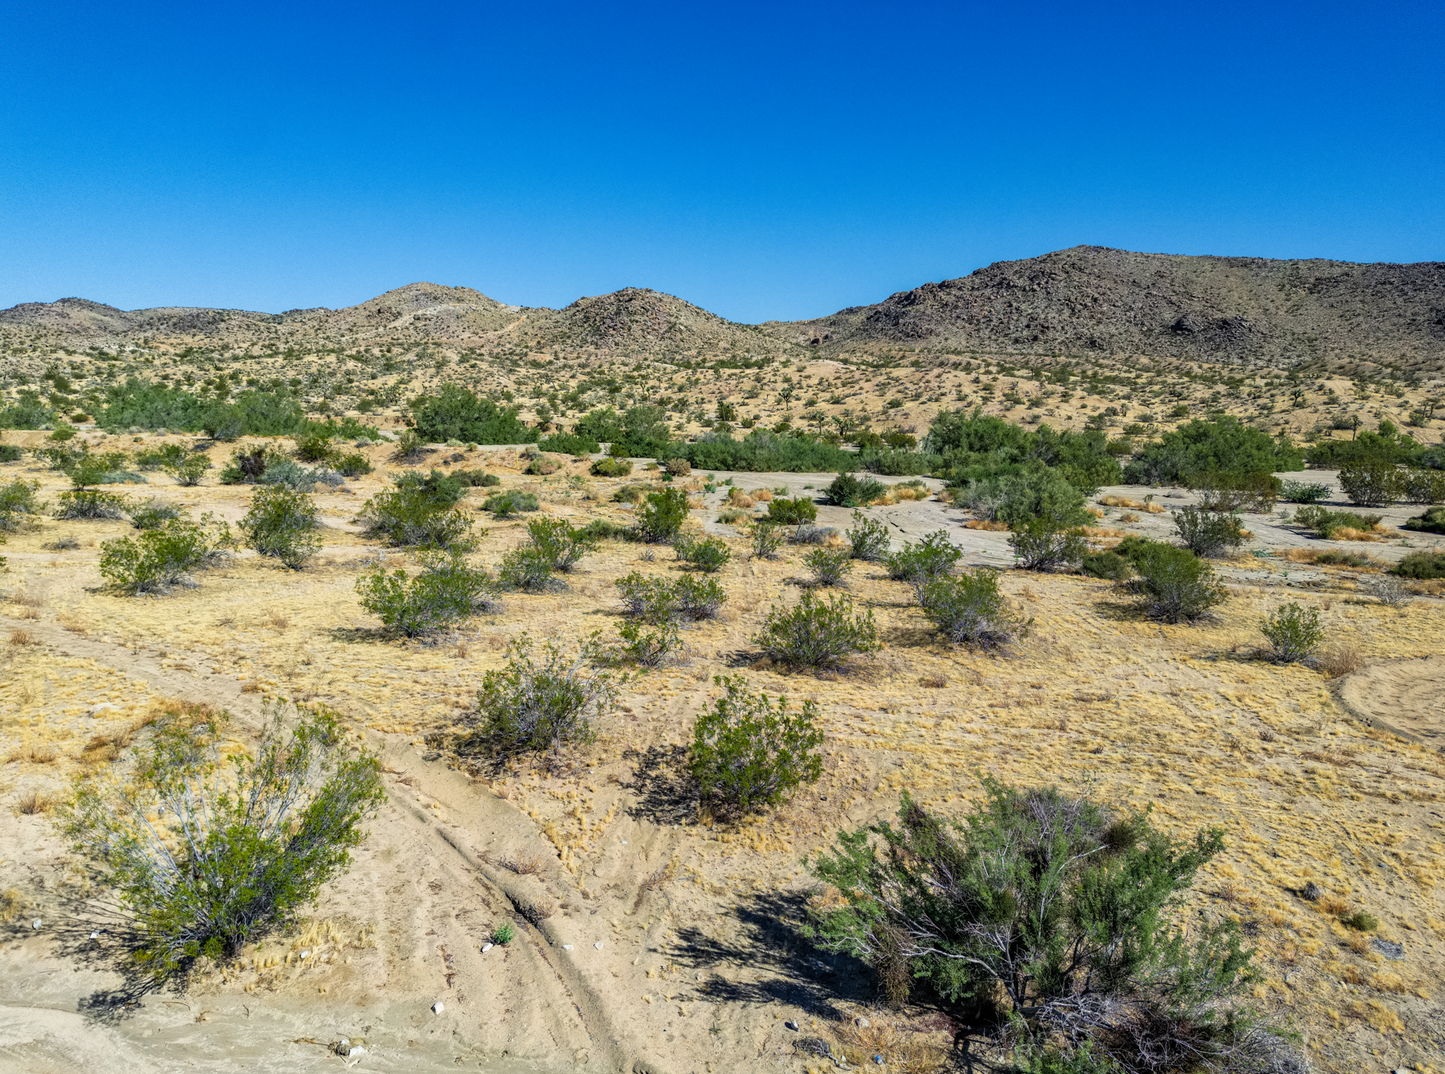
(209, 851)
(537, 704)
(599, 529)
(152, 514)
(475, 479)
(1432, 521)
(1208, 533)
(867, 538)
(456, 414)
(1372, 482)
(658, 599)
(792, 512)
(299, 478)
(410, 446)
(817, 632)
(661, 516)
(1043, 493)
(1325, 523)
(918, 564)
(647, 644)
(1177, 586)
(569, 444)
(446, 489)
(1422, 566)
(1223, 446)
(18, 503)
(1361, 921)
(1062, 910)
(639, 431)
(158, 458)
(807, 533)
(705, 553)
(446, 591)
(1236, 491)
(1294, 633)
(89, 505)
(246, 467)
(677, 467)
(748, 752)
(281, 523)
(698, 598)
(158, 559)
(765, 451)
(189, 470)
(314, 447)
(1339, 558)
(1041, 544)
(413, 517)
(630, 494)
(830, 566)
(10, 453)
(351, 464)
(610, 467)
(848, 491)
(1109, 566)
(511, 502)
(968, 609)
(1302, 492)
(562, 544)
(541, 466)
(767, 539)
(528, 569)
(898, 462)
(1419, 485)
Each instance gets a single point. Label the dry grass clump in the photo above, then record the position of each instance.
(26, 599)
(763, 495)
(1340, 661)
(35, 753)
(523, 864)
(984, 524)
(1137, 505)
(34, 803)
(21, 637)
(738, 498)
(12, 905)
(908, 1052)
(934, 682)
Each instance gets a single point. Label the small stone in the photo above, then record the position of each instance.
(306, 953)
(355, 1050)
(1311, 892)
(487, 947)
(598, 945)
(861, 1022)
(431, 755)
(35, 924)
(1391, 950)
(791, 1025)
(95, 935)
(566, 947)
(437, 1008)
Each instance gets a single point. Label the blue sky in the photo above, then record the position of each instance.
(761, 160)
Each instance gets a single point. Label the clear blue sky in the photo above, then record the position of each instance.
(763, 160)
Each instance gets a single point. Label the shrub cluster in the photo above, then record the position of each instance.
(918, 564)
(1208, 533)
(830, 566)
(455, 413)
(1294, 633)
(536, 704)
(708, 554)
(1042, 544)
(794, 512)
(281, 523)
(661, 516)
(1422, 566)
(1303, 492)
(152, 514)
(661, 599)
(415, 515)
(446, 591)
(610, 467)
(817, 632)
(848, 491)
(569, 444)
(18, 504)
(867, 538)
(1175, 584)
(1325, 523)
(158, 559)
(1431, 521)
(968, 609)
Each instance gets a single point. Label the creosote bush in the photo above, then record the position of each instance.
(528, 569)
(708, 554)
(1177, 586)
(792, 512)
(18, 504)
(968, 609)
(817, 632)
(849, 491)
(1294, 633)
(536, 704)
(918, 564)
(661, 516)
(281, 523)
(152, 514)
(1208, 533)
(511, 502)
(444, 592)
(209, 851)
(1303, 492)
(748, 752)
(767, 539)
(1041, 544)
(1060, 908)
(187, 470)
(658, 599)
(867, 538)
(610, 467)
(155, 560)
(561, 544)
(89, 505)
(830, 566)
(415, 516)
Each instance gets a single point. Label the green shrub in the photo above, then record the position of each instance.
(153, 514)
(765, 451)
(569, 444)
(476, 479)
(610, 467)
(1432, 521)
(247, 467)
(503, 935)
(1177, 586)
(918, 564)
(599, 529)
(281, 523)
(1208, 533)
(792, 512)
(1294, 633)
(847, 491)
(18, 504)
(410, 446)
(294, 476)
(528, 569)
(1423, 566)
(767, 539)
(830, 566)
(817, 632)
(1335, 557)
(541, 466)
(456, 414)
(536, 705)
(1109, 566)
(511, 502)
(446, 489)
(1372, 483)
(1419, 485)
(89, 505)
(1041, 544)
(352, 464)
(412, 517)
(189, 470)
(1361, 921)
(158, 559)
(968, 609)
(748, 752)
(661, 516)
(158, 458)
(314, 447)
(698, 598)
(1236, 491)
(898, 462)
(1223, 446)
(630, 494)
(208, 852)
(657, 600)
(707, 554)
(646, 644)
(1043, 493)
(867, 538)
(561, 544)
(446, 591)
(1303, 492)
(10, 453)
(1325, 523)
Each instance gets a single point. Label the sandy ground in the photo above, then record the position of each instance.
(671, 945)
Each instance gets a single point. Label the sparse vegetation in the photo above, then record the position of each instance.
(918, 564)
(830, 566)
(1294, 633)
(867, 538)
(159, 559)
(538, 704)
(708, 554)
(282, 523)
(661, 516)
(1208, 533)
(817, 632)
(968, 609)
(1177, 586)
(446, 591)
(1041, 544)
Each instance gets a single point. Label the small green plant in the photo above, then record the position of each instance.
(792, 512)
(830, 566)
(281, 523)
(503, 935)
(10, 453)
(1303, 492)
(157, 458)
(537, 704)
(315, 447)
(749, 752)
(1294, 633)
(918, 564)
(708, 554)
(409, 446)
(1109, 566)
(607, 466)
(1041, 544)
(527, 569)
(513, 501)
(1177, 586)
(968, 609)
(90, 505)
(1431, 521)
(1325, 523)
(817, 632)
(444, 592)
(658, 599)
(1421, 566)
(661, 516)
(152, 514)
(767, 539)
(1208, 533)
(1361, 921)
(848, 491)
(208, 849)
(868, 538)
(189, 470)
(562, 544)
(352, 464)
(18, 504)
(158, 559)
(646, 644)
